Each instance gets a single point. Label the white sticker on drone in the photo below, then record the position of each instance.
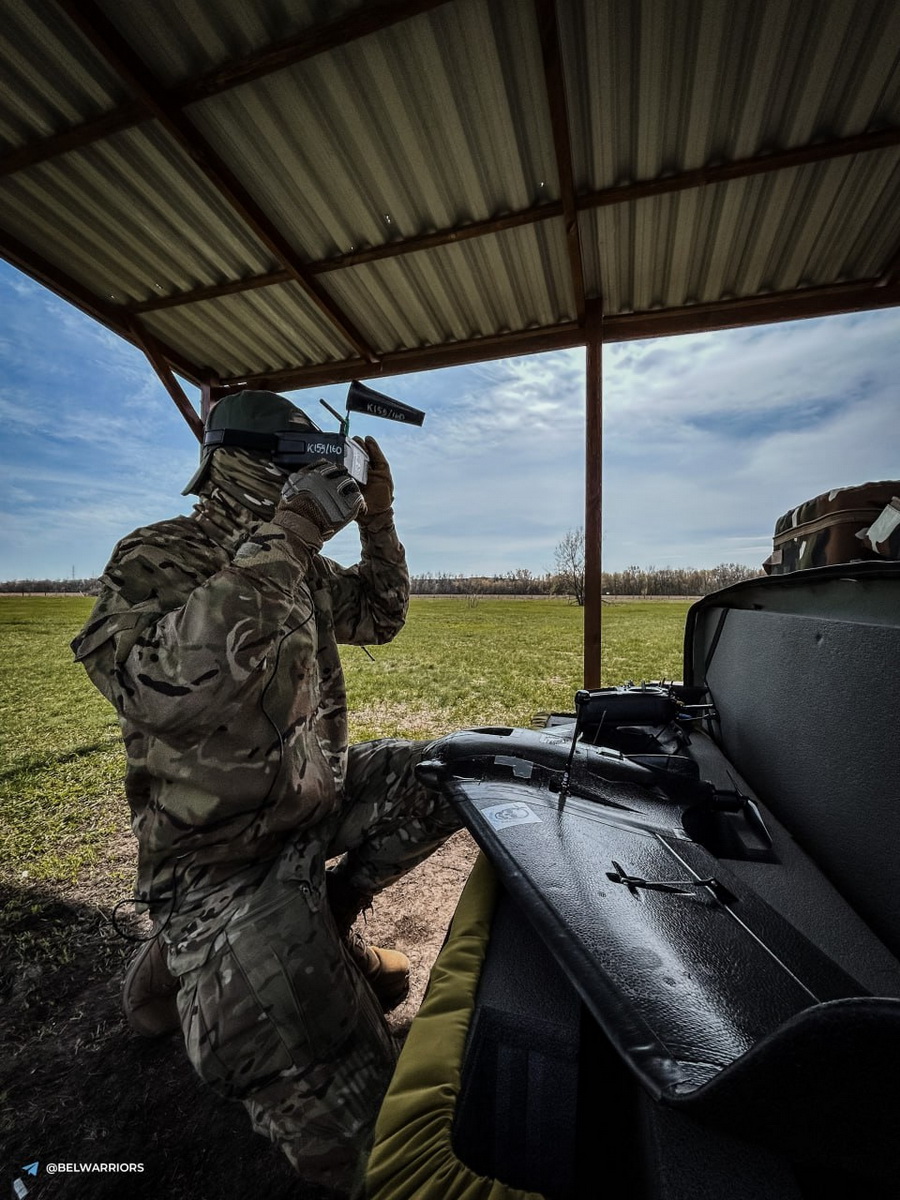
(503, 815)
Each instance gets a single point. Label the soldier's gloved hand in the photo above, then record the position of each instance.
(318, 501)
(378, 490)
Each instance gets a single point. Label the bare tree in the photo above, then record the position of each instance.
(569, 559)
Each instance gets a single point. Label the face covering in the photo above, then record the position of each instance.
(241, 489)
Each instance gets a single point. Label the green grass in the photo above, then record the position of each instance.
(60, 761)
(499, 662)
(455, 664)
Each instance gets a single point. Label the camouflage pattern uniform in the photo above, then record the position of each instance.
(215, 637)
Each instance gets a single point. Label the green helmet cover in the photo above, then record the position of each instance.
(257, 412)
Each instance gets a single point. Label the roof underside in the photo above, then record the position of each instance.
(300, 191)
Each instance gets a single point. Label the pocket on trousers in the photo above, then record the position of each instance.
(275, 998)
(233, 1044)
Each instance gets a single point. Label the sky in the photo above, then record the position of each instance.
(709, 438)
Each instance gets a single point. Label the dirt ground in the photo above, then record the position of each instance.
(77, 1086)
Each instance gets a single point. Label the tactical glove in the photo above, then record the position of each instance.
(318, 501)
(378, 490)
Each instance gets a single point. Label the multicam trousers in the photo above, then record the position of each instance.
(272, 1008)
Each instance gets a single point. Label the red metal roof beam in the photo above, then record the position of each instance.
(795, 305)
(75, 138)
(545, 11)
(369, 18)
(157, 358)
(213, 291)
(742, 168)
(424, 358)
(428, 241)
(800, 304)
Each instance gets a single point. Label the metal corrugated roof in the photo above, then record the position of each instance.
(419, 128)
(825, 223)
(123, 237)
(440, 295)
(655, 88)
(322, 189)
(181, 39)
(51, 81)
(267, 330)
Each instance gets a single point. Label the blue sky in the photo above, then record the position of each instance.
(709, 438)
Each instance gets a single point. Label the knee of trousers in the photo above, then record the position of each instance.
(324, 1122)
(275, 999)
(383, 795)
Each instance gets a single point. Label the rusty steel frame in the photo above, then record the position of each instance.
(554, 83)
(702, 177)
(796, 305)
(593, 497)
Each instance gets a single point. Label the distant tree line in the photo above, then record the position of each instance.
(633, 581)
(512, 583)
(86, 587)
(675, 581)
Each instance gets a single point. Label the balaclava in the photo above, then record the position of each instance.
(238, 488)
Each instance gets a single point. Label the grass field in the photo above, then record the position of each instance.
(454, 665)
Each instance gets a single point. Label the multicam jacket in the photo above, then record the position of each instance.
(220, 657)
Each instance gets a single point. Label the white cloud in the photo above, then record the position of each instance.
(757, 370)
(708, 440)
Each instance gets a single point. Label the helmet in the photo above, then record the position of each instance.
(250, 412)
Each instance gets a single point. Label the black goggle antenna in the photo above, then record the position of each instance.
(344, 421)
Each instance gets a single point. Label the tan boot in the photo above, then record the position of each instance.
(385, 971)
(149, 991)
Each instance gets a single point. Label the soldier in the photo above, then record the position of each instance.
(215, 637)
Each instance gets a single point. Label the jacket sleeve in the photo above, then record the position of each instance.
(369, 600)
(185, 668)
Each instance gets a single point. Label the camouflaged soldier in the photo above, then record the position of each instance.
(215, 636)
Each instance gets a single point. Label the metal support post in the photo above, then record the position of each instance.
(593, 497)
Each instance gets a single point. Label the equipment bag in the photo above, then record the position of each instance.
(834, 528)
